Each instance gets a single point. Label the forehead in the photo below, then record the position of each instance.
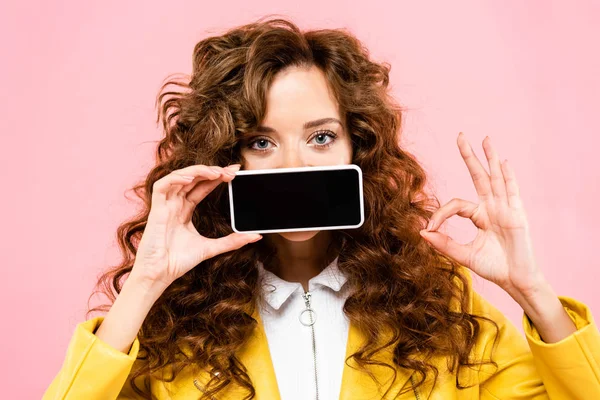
(300, 93)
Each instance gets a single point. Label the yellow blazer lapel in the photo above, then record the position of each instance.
(359, 385)
(255, 355)
(355, 384)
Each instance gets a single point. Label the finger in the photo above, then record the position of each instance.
(196, 195)
(227, 171)
(193, 194)
(459, 207)
(479, 175)
(497, 178)
(198, 169)
(230, 242)
(162, 188)
(512, 187)
(183, 190)
(446, 245)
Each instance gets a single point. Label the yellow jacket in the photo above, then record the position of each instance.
(528, 368)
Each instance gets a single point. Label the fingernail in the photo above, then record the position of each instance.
(234, 167)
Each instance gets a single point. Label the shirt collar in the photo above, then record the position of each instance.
(276, 290)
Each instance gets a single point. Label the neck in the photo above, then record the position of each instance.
(299, 261)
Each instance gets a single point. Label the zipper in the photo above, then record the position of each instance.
(311, 322)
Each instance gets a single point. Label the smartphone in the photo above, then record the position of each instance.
(297, 199)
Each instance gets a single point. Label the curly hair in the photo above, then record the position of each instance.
(398, 281)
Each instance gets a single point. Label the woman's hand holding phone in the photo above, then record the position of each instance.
(170, 245)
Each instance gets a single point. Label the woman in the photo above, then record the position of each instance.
(207, 313)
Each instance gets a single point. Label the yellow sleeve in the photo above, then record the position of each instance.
(569, 368)
(92, 369)
(528, 368)
(516, 376)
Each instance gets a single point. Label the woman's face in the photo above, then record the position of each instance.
(298, 97)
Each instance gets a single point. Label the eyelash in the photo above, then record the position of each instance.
(329, 133)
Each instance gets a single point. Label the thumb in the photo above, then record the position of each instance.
(230, 242)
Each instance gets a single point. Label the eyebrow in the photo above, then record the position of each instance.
(307, 125)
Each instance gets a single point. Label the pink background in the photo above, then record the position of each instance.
(78, 86)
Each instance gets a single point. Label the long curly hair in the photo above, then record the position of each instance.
(398, 281)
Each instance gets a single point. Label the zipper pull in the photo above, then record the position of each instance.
(308, 316)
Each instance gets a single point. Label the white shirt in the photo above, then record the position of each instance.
(290, 342)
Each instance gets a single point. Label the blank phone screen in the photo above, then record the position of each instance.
(288, 200)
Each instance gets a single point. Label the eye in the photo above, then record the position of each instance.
(262, 140)
(323, 135)
(320, 137)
